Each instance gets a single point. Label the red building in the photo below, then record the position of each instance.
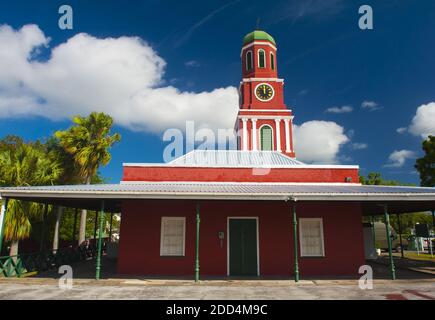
(243, 237)
(255, 211)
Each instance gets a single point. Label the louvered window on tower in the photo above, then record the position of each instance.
(266, 138)
(261, 59)
(249, 60)
(173, 231)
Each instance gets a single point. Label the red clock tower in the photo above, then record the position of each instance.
(264, 122)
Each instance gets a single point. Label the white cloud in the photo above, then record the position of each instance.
(359, 146)
(343, 109)
(401, 130)
(123, 77)
(192, 63)
(319, 141)
(423, 123)
(397, 158)
(370, 105)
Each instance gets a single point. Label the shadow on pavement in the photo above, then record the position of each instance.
(85, 270)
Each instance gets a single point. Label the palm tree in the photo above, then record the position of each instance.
(69, 176)
(24, 165)
(88, 141)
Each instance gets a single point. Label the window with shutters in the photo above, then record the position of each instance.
(266, 138)
(311, 237)
(173, 232)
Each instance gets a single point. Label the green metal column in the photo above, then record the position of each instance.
(111, 224)
(400, 235)
(295, 241)
(372, 219)
(95, 227)
(198, 220)
(433, 231)
(390, 252)
(2, 220)
(100, 242)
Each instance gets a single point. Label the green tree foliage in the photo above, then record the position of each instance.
(69, 157)
(426, 165)
(375, 179)
(407, 220)
(67, 225)
(10, 143)
(88, 142)
(70, 174)
(24, 165)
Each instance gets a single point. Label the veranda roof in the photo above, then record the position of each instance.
(398, 199)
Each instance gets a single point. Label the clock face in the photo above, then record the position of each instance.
(264, 92)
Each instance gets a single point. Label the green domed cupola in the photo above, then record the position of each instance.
(258, 35)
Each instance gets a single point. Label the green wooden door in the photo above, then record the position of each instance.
(266, 138)
(243, 247)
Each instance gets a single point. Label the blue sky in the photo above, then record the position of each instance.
(326, 60)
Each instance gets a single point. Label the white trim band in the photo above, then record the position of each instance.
(260, 43)
(261, 79)
(266, 117)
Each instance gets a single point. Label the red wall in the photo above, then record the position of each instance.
(257, 72)
(166, 173)
(250, 102)
(139, 251)
(248, 88)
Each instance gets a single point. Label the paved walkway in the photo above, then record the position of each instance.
(410, 285)
(277, 290)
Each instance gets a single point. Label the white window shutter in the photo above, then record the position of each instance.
(172, 236)
(311, 237)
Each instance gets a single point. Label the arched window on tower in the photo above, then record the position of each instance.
(272, 61)
(266, 138)
(248, 60)
(261, 59)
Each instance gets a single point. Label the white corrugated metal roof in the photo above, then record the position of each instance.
(235, 158)
(238, 159)
(233, 190)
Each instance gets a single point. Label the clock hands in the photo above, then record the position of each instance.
(264, 92)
